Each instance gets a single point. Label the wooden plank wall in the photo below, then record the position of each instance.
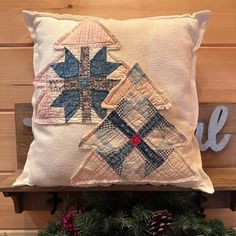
(216, 68)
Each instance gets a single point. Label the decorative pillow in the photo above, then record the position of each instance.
(115, 101)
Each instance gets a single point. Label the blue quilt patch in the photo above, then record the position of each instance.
(92, 87)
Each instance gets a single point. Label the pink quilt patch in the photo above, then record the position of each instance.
(88, 32)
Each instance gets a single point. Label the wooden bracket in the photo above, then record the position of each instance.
(17, 198)
(34, 201)
(233, 201)
(199, 199)
(24, 201)
(54, 200)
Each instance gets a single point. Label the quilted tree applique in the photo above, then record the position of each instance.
(79, 79)
(134, 143)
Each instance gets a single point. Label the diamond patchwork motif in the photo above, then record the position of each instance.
(118, 126)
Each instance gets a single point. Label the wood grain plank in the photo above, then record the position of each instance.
(222, 178)
(216, 70)
(16, 66)
(10, 232)
(224, 158)
(7, 141)
(226, 215)
(4, 175)
(9, 95)
(223, 20)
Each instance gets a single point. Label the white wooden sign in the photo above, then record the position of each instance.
(217, 121)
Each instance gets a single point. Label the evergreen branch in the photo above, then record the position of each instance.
(140, 214)
(89, 223)
(121, 214)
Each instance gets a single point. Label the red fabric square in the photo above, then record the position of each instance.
(135, 140)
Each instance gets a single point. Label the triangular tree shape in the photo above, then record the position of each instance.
(137, 80)
(89, 32)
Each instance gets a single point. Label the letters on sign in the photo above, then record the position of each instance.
(27, 122)
(216, 123)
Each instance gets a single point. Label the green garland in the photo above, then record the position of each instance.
(126, 214)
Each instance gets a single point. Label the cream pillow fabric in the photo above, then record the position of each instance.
(81, 65)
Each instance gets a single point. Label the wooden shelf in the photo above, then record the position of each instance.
(224, 179)
(38, 198)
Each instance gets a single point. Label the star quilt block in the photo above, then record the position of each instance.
(75, 88)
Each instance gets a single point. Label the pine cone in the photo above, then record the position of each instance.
(160, 223)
